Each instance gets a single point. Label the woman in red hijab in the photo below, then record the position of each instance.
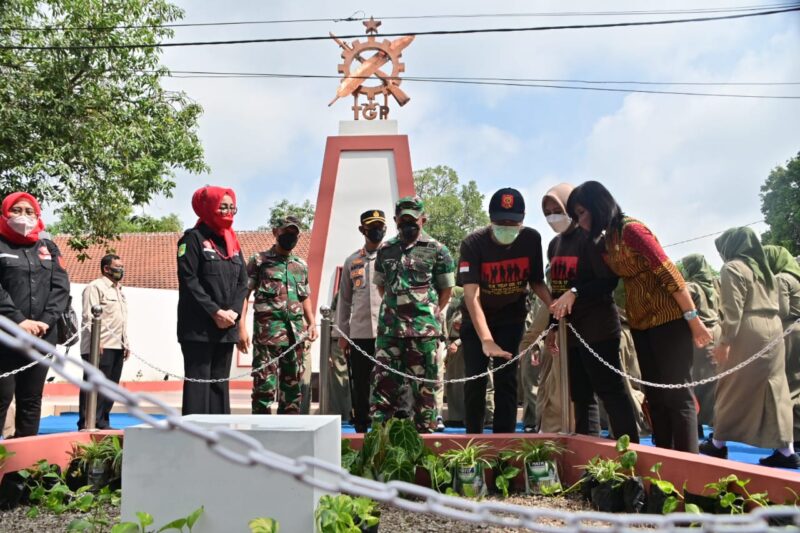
(212, 286)
(34, 291)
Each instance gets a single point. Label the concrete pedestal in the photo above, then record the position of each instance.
(170, 474)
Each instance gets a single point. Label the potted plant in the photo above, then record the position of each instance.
(344, 514)
(717, 497)
(441, 476)
(612, 484)
(664, 497)
(538, 459)
(95, 463)
(468, 464)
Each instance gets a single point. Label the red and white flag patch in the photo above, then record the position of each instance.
(463, 267)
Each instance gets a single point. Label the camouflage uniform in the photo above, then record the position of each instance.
(409, 326)
(280, 285)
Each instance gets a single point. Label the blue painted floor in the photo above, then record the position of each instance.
(69, 422)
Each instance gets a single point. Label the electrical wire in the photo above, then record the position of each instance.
(353, 18)
(707, 235)
(793, 8)
(501, 84)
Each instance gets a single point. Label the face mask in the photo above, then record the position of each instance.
(505, 234)
(376, 234)
(116, 273)
(560, 222)
(23, 224)
(409, 231)
(287, 241)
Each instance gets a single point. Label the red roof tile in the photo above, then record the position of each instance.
(150, 258)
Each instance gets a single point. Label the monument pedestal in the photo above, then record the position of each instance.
(170, 474)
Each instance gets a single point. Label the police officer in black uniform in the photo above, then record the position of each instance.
(34, 291)
(212, 286)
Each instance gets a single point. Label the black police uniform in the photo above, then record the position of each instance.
(33, 285)
(207, 283)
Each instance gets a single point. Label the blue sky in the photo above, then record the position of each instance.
(685, 165)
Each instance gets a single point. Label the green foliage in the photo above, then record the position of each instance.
(605, 470)
(440, 475)
(264, 525)
(471, 454)
(780, 204)
(390, 451)
(127, 223)
(304, 212)
(344, 514)
(146, 520)
(92, 132)
(5, 454)
(108, 451)
(504, 476)
(453, 209)
(534, 451)
(735, 502)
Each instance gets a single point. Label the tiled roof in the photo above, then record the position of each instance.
(150, 257)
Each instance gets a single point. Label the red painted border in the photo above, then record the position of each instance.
(334, 147)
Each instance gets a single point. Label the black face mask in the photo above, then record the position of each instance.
(408, 231)
(375, 235)
(287, 241)
(116, 273)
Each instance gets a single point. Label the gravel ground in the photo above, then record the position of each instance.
(16, 521)
(392, 519)
(397, 520)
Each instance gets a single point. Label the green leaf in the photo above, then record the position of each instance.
(126, 527)
(145, 519)
(80, 524)
(665, 486)
(502, 483)
(191, 520)
(656, 468)
(670, 504)
(178, 524)
(33, 512)
(628, 459)
(264, 525)
(623, 443)
(403, 434)
(693, 508)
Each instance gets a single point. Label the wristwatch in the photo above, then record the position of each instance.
(574, 290)
(690, 315)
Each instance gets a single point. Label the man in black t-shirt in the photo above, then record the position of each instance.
(491, 268)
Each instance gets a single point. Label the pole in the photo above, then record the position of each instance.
(94, 359)
(324, 357)
(566, 405)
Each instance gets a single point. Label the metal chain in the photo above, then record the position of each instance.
(242, 449)
(244, 375)
(437, 381)
(32, 364)
(691, 384)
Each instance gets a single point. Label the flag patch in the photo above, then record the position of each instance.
(181, 249)
(463, 267)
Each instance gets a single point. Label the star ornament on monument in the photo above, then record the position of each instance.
(371, 59)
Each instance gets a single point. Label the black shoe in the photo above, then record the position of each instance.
(778, 460)
(530, 429)
(707, 448)
(439, 425)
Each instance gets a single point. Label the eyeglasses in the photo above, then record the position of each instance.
(16, 211)
(225, 208)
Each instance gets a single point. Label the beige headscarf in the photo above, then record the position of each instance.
(560, 193)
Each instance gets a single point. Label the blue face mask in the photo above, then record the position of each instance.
(505, 234)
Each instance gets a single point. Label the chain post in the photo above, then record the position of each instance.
(566, 403)
(94, 359)
(324, 357)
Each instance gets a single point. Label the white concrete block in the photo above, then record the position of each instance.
(367, 127)
(170, 474)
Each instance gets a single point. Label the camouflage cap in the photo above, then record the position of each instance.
(409, 205)
(288, 221)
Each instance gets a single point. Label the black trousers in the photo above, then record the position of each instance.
(111, 365)
(665, 355)
(360, 381)
(508, 338)
(206, 360)
(587, 377)
(27, 388)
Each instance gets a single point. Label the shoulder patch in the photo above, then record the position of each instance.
(181, 249)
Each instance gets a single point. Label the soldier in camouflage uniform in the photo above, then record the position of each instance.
(415, 275)
(280, 282)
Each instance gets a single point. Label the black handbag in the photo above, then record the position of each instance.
(67, 326)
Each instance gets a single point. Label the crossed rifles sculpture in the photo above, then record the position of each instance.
(353, 81)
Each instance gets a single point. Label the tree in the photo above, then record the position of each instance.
(304, 212)
(91, 131)
(130, 224)
(780, 204)
(453, 210)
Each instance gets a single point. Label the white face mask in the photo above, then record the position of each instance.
(560, 222)
(23, 224)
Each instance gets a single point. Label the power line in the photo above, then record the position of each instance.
(795, 7)
(353, 18)
(709, 235)
(211, 74)
(499, 83)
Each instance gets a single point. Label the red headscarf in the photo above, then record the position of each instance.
(205, 202)
(6, 231)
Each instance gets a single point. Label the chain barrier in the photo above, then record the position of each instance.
(443, 381)
(242, 449)
(32, 364)
(244, 375)
(690, 384)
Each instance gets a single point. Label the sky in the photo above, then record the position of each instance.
(686, 166)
